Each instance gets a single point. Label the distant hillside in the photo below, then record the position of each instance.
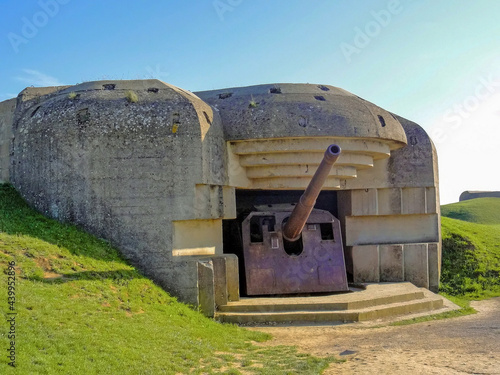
(471, 248)
(479, 210)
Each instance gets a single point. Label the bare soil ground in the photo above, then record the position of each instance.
(464, 345)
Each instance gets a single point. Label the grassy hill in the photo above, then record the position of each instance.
(471, 248)
(81, 309)
(479, 210)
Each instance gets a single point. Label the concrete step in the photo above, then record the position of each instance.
(375, 302)
(369, 295)
(394, 309)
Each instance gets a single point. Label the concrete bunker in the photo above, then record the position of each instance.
(167, 175)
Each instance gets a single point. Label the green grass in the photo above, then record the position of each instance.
(479, 210)
(81, 309)
(471, 248)
(471, 255)
(471, 259)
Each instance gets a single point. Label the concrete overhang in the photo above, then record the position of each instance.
(277, 133)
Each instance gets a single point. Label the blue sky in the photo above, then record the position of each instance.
(434, 62)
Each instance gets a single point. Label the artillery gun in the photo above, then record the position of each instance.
(295, 248)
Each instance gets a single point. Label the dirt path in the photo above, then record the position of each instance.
(465, 345)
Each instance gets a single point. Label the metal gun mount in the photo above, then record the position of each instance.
(295, 248)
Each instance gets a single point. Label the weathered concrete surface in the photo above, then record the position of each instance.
(468, 194)
(124, 170)
(6, 119)
(300, 110)
(396, 203)
(276, 133)
(153, 168)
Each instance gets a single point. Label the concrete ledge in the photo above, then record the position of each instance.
(397, 229)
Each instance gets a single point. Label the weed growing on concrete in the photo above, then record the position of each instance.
(253, 103)
(131, 96)
(72, 95)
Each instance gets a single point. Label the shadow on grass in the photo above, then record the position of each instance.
(93, 275)
(18, 218)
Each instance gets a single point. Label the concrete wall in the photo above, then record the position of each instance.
(6, 118)
(391, 217)
(153, 169)
(387, 192)
(140, 174)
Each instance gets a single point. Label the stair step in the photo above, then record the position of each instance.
(324, 303)
(370, 313)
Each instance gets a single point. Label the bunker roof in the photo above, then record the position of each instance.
(299, 110)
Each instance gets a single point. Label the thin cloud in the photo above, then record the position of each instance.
(36, 78)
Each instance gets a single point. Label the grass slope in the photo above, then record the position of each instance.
(479, 210)
(81, 309)
(471, 248)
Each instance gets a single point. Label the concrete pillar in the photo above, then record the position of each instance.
(206, 292)
(416, 263)
(434, 266)
(232, 277)
(365, 261)
(226, 279)
(391, 263)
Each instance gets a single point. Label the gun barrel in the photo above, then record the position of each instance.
(300, 214)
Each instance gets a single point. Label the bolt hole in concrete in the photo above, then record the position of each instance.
(225, 95)
(109, 86)
(275, 90)
(324, 88)
(83, 116)
(320, 98)
(153, 89)
(207, 118)
(382, 121)
(302, 121)
(35, 111)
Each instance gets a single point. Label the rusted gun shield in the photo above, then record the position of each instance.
(314, 263)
